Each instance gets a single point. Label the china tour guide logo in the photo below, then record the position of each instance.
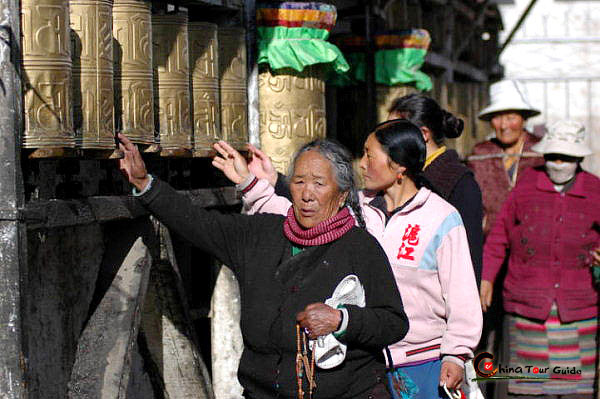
(485, 370)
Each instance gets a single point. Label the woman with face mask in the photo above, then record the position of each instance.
(550, 228)
(426, 244)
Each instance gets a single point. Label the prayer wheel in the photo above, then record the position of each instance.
(134, 102)
(171, 80)
(204, 49)
(386, 95)
(233, 90)
(294, 54)
(92, 54)
(46, 67)
(292, 112)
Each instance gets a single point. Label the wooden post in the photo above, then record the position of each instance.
(12, 230)
(449, 40)
(104, 350)
(370, 66)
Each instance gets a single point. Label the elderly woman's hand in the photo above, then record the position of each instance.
(319, 319)
(132, 165)
(485, 294)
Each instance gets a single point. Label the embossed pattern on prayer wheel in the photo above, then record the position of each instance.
(204, 50)
(171, 80)
(233, 90)
(92, 55)
(292, 112)
(134, 101)
(46, 67)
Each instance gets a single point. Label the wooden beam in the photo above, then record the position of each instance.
(63, 213)
(437, 60)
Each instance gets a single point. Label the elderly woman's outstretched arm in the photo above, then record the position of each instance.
(222, 235)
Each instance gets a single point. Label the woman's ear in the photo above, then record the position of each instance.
(427, 135)
(400, 171)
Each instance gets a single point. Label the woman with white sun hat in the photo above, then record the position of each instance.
(549, 228)
(498, 162)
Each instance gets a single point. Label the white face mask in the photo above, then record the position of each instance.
(561, 173)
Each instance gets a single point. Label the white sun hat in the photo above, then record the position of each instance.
(508, 95)
(567, 138)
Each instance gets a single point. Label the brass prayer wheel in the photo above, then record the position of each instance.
(233, 90)
(204, 50)
(92, 54)
(386, 96)
(171, 80)
(292, 112)
(134, 102)
(46, 67)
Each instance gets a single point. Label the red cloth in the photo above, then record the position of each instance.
(549, 236)
(325, 232)
(492, 177)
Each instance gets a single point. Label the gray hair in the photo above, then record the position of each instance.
(341, 164)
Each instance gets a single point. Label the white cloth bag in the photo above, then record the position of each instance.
(329, 352)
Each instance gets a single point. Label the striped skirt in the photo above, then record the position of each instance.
(566, 352)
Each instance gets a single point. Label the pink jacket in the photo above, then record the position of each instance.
(432, 265)
(549, 236)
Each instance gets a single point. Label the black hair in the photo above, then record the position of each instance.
(425, 111)
(341, 164)
(403, 141)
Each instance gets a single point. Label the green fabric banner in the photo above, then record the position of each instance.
(392, 67)
(297, 48)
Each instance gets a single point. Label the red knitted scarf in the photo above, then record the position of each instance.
(325, 232)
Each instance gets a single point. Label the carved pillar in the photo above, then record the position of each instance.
(171, 82)
(233, 90)
(292, 112)
(46, 74)
(92, 54)
(134, 103)
(204, 63)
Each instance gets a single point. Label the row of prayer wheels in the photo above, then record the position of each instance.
(96, 67)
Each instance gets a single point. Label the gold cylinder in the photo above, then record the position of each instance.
(292, 112)
(386, 96)
(92, 54)
(204, 49)
(233, 90)
(46, 67)
(134, 102)
(171, 81)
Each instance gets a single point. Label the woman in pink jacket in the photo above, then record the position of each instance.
(426, 244)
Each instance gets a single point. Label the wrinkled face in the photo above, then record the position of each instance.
(376, 166)
(315, 193)
(508, 126)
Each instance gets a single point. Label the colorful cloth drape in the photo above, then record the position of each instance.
(294, 35)
(398, 58)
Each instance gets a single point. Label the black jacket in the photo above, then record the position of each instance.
(456, 184)
(275, 286)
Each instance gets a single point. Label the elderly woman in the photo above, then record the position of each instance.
(287, 266)
(550, 226)
(497, 163)
(426, 244)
